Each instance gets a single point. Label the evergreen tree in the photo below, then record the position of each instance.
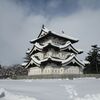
(27, 57)
(94, 59)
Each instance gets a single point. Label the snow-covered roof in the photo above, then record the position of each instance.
(86, 62)
(35, 47)
(38, 62)
(67, 61)
(44, 32)
(35, 60)
(61, 35)
(73, 59)
(67, 45)
(28, 51)
(26, 64)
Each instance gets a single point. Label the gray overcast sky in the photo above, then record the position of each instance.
(21, 21)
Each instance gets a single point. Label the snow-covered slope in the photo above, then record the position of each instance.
(77, 89)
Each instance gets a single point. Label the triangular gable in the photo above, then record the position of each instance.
(44, 32)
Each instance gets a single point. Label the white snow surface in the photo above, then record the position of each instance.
(48, 89)
(5, 95)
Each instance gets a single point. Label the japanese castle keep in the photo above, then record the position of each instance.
(53, 53)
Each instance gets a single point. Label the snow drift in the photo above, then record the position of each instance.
(5, 95)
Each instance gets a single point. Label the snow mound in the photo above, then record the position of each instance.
(5, 95)
(2, 93)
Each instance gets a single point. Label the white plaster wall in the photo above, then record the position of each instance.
(50, 70)
(34, 71)
(61, 70)
(72, 70)
(58, 71)
(47, 70)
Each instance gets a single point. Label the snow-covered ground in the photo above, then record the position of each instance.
(77, 89)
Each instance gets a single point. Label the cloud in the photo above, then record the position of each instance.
(89, 4)
(83, 25)
(18, 26)
(16, 29)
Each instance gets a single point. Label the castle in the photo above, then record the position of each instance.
(53, 53)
